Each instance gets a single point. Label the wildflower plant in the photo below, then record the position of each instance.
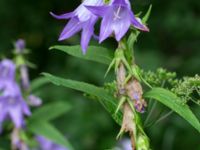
(131, 94)
(19, 120)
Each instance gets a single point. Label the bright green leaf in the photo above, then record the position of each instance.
(47, 130)
(94, 53)
(106, 99)
(170, 100)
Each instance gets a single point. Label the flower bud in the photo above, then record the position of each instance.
(34, 101)
(142, 142)
(20, 45)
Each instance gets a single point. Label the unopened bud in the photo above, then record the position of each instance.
(142, 142)
(20, 45)
(34, 101)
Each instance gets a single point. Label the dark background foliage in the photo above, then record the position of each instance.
(173, 43)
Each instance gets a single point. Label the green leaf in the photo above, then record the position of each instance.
(50, 111)
(37, 83)
(147, 15)
(94, 53)
(106, 99)
(170, 100)
(50, 132)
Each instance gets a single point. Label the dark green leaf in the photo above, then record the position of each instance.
(170, 100)
(106, 99)
(94, 53)
(37, 83)
(47, 130)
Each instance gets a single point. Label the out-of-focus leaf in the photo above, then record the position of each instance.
(147, 15)
(50, 132)
(37, 83)
(106, 99)
(50, 111)
(170, 100)
(94, 53)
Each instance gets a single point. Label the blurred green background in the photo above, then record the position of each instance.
(173, 43)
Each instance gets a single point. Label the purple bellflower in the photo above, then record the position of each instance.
(12, 104)
(80, 19)
(46, 144)
(117, 18)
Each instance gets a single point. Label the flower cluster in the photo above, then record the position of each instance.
(12, 104)
(117, 17)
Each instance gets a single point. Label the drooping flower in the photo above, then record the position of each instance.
(117, 19)
(80, 19)
(12, 104)
(46, 144)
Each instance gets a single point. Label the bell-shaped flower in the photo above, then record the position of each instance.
(80, 19)
(117, 19)
(12, 104)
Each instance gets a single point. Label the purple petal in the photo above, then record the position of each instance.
(87, 33)
(137, 23)
(7, 69)
(121, 26)
(98, 10)
(25, 108)
(16, 116)
(106, 28)
(125, 3)
(63, 16)
(73, 26)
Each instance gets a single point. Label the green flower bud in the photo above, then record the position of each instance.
(142, 142)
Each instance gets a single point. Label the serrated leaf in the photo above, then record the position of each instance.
(50, 111)
(170, 100)
(106, 99)
(94, 53)
(50, 132)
